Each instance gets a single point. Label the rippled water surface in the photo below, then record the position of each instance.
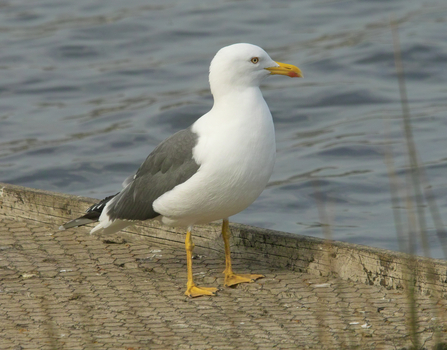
(89, 88)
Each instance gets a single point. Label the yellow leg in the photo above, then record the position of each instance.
(191, 289)
(231, 278)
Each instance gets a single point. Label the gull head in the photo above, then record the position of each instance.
(244, 65)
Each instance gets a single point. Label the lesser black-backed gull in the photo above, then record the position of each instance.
(210, 171)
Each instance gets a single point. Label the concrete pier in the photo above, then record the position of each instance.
(70, 290)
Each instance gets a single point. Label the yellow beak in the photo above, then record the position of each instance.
(286, 69)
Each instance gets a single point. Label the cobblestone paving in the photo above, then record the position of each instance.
(70, 290)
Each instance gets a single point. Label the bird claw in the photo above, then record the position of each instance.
(233, 279)
(194, 291)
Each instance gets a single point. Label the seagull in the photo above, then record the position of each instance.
(210, 171)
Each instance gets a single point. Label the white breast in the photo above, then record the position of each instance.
(236, 151)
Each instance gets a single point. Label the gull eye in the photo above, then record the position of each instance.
(255, 60)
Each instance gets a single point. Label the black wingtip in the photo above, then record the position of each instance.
(92, 215)
(77, 222)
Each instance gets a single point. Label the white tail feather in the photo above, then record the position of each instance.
(113, 227)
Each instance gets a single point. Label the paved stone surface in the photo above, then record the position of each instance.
(70, 290)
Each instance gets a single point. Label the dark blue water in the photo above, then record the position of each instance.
(89, 88)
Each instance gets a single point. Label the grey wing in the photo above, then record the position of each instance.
(128, 180)
(169, 165)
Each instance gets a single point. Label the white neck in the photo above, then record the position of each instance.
(246, 98)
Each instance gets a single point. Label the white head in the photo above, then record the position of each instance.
(244, 65)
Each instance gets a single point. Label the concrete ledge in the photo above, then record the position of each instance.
(71, 290)
(352, 262)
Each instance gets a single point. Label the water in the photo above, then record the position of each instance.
(89, 88)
